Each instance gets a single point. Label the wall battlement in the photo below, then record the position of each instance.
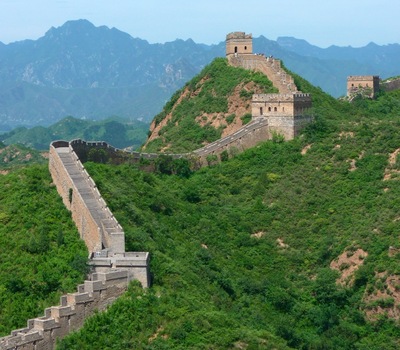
(41, 333)
(239, 43)
(281, 97)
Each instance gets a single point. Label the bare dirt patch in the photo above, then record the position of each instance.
(156, 334)
(281, 243)
(347, 264)
(353, 161)
(258, 234)
(390, 173)
(384, 299)
(346, 134)
(305, 149)
(155, 129)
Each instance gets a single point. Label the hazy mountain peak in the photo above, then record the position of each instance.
(72, 27)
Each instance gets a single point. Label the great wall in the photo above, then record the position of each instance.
(113, 268)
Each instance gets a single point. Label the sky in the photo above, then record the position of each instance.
(320, 22)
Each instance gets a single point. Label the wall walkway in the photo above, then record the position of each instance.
(269, 66)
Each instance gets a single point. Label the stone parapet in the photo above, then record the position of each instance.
(41, 333)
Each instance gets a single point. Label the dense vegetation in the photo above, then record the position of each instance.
(207, 93)
(241, 251)
(118, 132)
(41, 253)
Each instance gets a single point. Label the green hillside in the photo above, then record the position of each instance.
(17, 156)
(192, 117)
(116, 131)
(41, 253)
(289, 245)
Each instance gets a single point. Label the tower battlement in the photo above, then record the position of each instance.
(239, 43)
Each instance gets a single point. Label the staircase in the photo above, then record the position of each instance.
(269, 66)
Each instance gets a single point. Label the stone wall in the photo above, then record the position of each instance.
(114, 268)
(58, 321)
(88, 228)
(391, 85)
(248, 136)
(269, 66)
(96, 224)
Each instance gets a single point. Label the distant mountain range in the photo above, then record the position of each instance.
(119, 133)
(97, 72)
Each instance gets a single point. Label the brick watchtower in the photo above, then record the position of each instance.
(239, 43)
(368, 85)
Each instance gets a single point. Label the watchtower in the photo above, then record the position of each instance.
(239, 43)
(366, 84)
(287, 114)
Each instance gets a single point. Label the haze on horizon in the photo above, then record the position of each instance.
(341, 22)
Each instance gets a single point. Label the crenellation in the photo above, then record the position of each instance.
(41, 333)
(94, 286)
(78, 298)
(45, 324)
(58, 312)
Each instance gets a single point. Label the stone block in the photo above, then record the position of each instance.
(94, 286)
(79, 298)
(61, 311)
(32, 336)
(45, 324)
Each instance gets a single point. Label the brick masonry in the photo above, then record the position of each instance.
(58, 321)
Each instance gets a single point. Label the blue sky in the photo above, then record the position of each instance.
(322, 23)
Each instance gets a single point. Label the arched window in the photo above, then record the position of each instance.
(235, 49)
(275, 109)
(245, 48)
(269, 109)
(261, 111)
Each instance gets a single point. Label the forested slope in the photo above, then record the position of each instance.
(41, 254)
(215, 103)
(287, 245)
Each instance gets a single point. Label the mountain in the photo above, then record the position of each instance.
(78, 69)
(119, 133)
(371, 54)
(289, 245)
(96, 72)
(214, 104)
